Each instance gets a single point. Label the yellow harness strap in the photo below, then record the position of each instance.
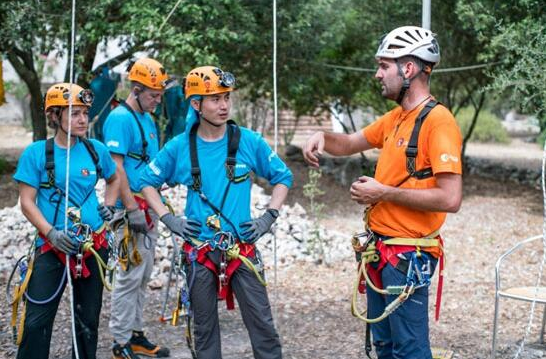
(235, 253)
(18, 293)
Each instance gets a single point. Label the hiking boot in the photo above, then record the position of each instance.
(141, 345)
(123, 352)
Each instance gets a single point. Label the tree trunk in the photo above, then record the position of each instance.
(23, 64)
(477, 108)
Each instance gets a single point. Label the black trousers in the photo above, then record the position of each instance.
(255, 310)
(46, 277)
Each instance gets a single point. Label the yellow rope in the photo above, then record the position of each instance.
(235, 253)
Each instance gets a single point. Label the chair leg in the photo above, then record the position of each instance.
(542, 327)
(495, 322)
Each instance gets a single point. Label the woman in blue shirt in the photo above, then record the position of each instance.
(41, 174)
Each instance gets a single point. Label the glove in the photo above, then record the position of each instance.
(106, 212)
(61, 241)
(256, 228)
(185, 228)
(137, 220)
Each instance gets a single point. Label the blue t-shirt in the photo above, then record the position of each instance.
(122, 137)
(173, 165)
(83, 177)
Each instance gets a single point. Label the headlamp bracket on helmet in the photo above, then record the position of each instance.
(226, 79)
(85, 96)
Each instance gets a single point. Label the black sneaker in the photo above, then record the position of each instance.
(123, 352)
(141, 345)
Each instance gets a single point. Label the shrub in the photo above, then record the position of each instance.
(488, 127)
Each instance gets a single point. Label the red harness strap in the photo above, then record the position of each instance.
(225, 292)
(99, 241)
(143, 205)
(389, 254)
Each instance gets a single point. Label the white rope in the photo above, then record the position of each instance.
(363, 69)
(67, 178)
(275, 119)
(539, 278)
(168, 16)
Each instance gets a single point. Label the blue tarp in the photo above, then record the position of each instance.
(104, 87)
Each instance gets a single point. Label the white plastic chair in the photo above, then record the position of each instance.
(518, 293)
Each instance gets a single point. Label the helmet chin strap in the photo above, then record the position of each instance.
(138, 102)
(203, 117)
(406, 82)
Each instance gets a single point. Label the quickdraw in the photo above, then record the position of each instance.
(179, 266)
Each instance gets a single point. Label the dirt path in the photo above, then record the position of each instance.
(311, 302)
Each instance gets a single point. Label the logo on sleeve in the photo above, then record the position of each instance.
(154, 168)
(85, 172)
(112, 144)
(400, 142)
(446, 157)
(271, 156)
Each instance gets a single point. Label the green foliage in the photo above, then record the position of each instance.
(488, 127)
(311, 190)
(512, 34)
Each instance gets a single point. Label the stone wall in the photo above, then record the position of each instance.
(347, 169)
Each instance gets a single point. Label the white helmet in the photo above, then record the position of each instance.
(410, 41)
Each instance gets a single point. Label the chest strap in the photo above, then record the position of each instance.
(411, 149)
(143, 156)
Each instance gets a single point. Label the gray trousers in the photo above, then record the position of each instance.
(255, 309)
(129, 294)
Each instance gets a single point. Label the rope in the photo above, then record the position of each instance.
(169, 16)
(275, 117)
(362, 69)
(539, 278)
(67, 179)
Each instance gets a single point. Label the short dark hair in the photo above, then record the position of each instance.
(425, 66)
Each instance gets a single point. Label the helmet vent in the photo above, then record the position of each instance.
(410, 35)
(402, 39)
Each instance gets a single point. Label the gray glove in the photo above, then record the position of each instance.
(185, 228)
(61, 241)
(137, 220)
(106, 212)
(256, 228)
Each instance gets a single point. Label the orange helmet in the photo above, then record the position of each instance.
(59, 94)
(208, 80)
(149, 73)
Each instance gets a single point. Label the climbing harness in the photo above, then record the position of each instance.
(231, 251)
(234, 136)
(17, 294)
(58, 193)
(143, 157)
(373, 252)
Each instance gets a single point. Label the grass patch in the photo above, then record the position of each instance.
(488, 127)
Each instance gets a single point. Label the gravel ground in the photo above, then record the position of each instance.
(311, 302)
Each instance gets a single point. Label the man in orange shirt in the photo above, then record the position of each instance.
(417, 180)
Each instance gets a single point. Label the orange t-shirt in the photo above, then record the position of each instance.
(439, 147)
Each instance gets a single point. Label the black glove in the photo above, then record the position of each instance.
(61, 241)
(185, 228)
(256, 228)
(106, 212)
(137, 220)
